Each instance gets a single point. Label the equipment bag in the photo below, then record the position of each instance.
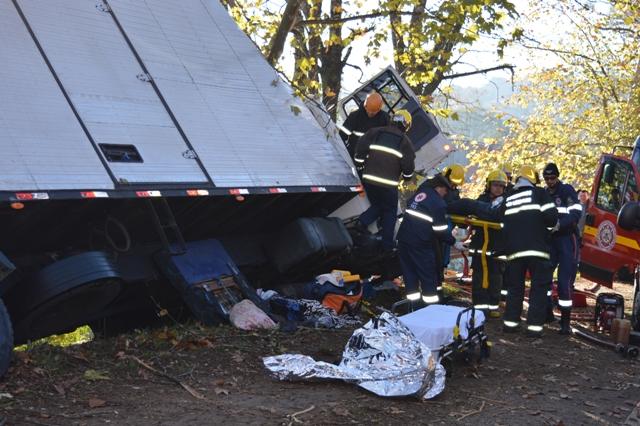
(342, 300)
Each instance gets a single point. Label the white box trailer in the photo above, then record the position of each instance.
(128, 126)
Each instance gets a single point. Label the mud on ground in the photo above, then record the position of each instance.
(190, 375)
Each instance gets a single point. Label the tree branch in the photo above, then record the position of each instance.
(378, 14)
(482, 71)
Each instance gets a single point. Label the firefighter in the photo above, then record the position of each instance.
(365, 118)
(455, 173)
(564, 241)
(423, 224)
(489, 259)
(508, 170)
(528, 212)
(384, 154)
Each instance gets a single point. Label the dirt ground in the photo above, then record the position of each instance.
(189, 375)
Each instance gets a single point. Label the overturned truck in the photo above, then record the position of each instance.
(133, 134)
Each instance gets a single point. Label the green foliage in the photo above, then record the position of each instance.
(584, 103)
(427, 39)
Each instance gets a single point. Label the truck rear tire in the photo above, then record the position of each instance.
(64, 295)
(6, 339)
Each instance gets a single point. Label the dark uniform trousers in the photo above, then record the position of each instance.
(384, 205)
(541, 276)
(488, 298)
(418, 266)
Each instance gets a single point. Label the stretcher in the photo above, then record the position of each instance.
(451, 332)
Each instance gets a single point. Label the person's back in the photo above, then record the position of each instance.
(528, 213)
(386, 153)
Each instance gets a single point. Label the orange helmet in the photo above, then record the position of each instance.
(373, 103)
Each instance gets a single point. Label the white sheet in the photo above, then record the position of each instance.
(434, 324)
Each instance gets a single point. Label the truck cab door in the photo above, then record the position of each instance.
(609, 251)
(430, 145)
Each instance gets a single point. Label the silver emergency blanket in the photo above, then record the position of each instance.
(383, 357)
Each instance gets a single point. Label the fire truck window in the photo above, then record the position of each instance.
(632, 189)
(611, 185)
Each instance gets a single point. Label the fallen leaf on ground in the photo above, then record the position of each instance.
(339, 411)
(95, 402)
(95, 375)
(59, 389)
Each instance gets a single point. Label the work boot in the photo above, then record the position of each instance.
(534, 334)
(550, 316)
(565, 322)
(361, 228)
(507, 329)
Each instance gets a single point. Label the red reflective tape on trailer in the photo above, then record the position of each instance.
(94, 194)
(318, 189)
(239, 191)
(277, 190)
(32, 196)
(148, 193)
(197, 192)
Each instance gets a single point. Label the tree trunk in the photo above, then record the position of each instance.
(280, 37)
(332, 63)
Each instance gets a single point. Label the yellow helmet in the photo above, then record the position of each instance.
(529, 173)
(403, 117)
(497, 176)
(455, 174)
(506, 168)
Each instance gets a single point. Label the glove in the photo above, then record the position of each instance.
(496, 203)
(556, 228)
(459, 245)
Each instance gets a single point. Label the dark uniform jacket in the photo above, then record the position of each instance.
(528, 214)
(495, 248)
(569, 208)
(357, 124)
(386, 153)
(424, 219)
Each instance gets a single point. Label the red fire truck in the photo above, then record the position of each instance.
(611, 241)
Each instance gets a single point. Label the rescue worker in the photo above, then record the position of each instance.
(424, 224)
(508, 171)
(564, 241)
(492, 263)
(384, 154)
(365, 118)
(455, 173)
(528, 212)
